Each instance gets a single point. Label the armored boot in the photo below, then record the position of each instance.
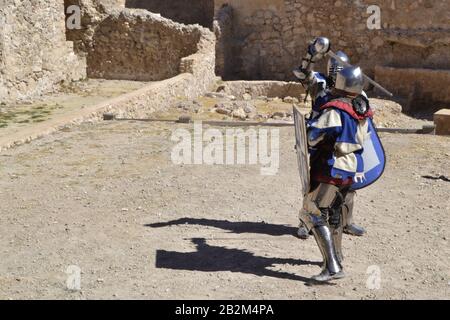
(354, 230)
(332, 268)
(347, 211)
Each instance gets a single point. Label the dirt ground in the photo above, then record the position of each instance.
(108, 199)
(74, 96)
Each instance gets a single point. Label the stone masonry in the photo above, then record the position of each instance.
(223, 29)
(183, 11)
(270, 36)
(255, 39)
(134, 44)
(420, 86)
(34, 54)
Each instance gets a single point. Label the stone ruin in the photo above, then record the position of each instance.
(191, 43)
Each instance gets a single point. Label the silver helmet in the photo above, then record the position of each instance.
(334, 65)
(350, 80)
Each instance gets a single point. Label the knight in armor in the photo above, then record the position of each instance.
(337, 133)
(320, 87)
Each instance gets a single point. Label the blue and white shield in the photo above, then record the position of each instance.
(374, 160)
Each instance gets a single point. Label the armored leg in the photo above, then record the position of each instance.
(347, 210)
(332, 267)
(337, 238)
(316, 212)
(336, 221)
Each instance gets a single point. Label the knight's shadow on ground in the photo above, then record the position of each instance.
(234, 227)
(210, 258)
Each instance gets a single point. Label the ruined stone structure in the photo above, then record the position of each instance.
(255, 39)
(184, 11)
(34, 54)
(139, 45)
(270, 35)
(423, 88)
(38, 53)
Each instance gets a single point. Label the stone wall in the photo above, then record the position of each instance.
(256, 39)
(184, 11)
(196, 77)
(270, 36)
(135, 44)
(34, 54)
(270, 89)
(425, 89)
(92, 13)
(223, 29)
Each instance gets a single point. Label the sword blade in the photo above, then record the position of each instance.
(368, 79)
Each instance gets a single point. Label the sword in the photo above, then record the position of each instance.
(346, 64)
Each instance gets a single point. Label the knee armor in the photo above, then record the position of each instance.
(322, 206)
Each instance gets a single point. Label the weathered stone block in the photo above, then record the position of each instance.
(442, 122)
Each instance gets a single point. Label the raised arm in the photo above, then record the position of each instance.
(317, 49)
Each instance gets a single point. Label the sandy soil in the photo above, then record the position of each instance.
(75, 96)
(107, 198)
